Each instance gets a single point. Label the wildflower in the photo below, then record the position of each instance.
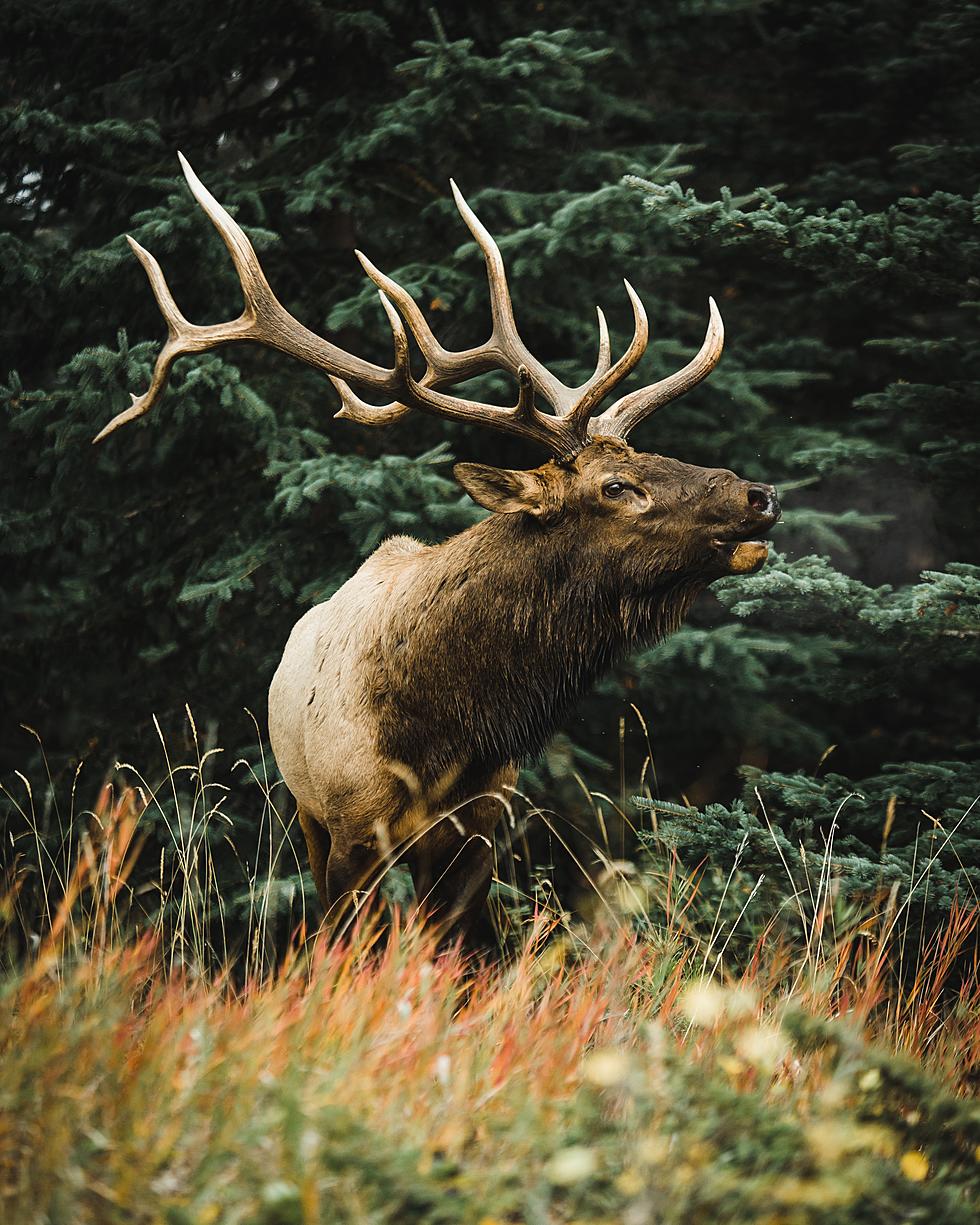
(703, 1002)
(630, 1183)
(741, 1002)
(571, 1165)
(915, 1166)
(606, 1068)
(761, 1045)
(653, 1150)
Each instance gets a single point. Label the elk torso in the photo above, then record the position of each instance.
(435, 667)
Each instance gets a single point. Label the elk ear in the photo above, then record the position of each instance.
(505, 490)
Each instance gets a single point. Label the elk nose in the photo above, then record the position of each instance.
(762, 498)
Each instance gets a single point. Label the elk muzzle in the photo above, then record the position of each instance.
(742, 549)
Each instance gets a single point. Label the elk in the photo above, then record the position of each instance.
(403, 705)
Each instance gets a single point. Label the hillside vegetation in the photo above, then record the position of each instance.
(684, 1069)
(737, 896)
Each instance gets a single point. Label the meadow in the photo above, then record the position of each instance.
(679, 1050)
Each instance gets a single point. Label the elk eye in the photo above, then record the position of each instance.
(614, 489)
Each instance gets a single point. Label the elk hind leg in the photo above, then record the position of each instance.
(353, 871)
(318, 850)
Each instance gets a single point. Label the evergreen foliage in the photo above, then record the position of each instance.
(817, 169)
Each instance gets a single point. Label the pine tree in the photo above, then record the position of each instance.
(815, 169)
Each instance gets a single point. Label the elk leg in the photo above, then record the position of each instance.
(350, 871)
(317, 848)
(452, 880)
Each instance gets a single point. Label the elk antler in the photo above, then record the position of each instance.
(631, 409)
(265, 321)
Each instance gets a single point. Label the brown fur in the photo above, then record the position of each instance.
(422, 683)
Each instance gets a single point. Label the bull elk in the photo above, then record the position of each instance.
(404, 703)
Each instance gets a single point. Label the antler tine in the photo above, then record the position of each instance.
(505, 342)
(593, 392)
(178, 329)
(445, 365)
(605, 351)
(358, 410)
(182, 337)
(255, 287)
(273, 325)
(628, 411)
(263, 319)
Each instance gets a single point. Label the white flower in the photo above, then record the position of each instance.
(703, 1002)
(606, 1068)
(571, 1165)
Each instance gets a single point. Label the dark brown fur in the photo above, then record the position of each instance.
(474, 649)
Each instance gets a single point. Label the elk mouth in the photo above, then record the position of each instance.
(742, 552)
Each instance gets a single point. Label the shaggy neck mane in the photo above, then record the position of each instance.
(510, 625)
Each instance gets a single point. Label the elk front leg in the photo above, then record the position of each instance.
(352, 872)
(452, 866)
(452, 879)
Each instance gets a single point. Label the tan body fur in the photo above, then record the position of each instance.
(359, 808)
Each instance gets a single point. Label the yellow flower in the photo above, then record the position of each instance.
(914, 1166)
(630, 1182)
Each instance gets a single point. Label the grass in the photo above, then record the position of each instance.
(628, 1068)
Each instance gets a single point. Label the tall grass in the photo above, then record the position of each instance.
(659, 1060)
(72, 872)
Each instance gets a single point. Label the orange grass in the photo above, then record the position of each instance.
(601, 1072)
(131, 1093)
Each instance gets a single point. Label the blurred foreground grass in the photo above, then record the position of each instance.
(615, 1072)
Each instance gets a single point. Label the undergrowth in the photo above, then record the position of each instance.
(662, 1060)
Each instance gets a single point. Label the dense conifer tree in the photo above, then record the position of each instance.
(815, 169)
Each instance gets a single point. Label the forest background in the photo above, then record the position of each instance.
(815, 168)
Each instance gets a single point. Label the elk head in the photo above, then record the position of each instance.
(660, 517)
(657, 517)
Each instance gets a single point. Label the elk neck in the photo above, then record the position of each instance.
(507, 625)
